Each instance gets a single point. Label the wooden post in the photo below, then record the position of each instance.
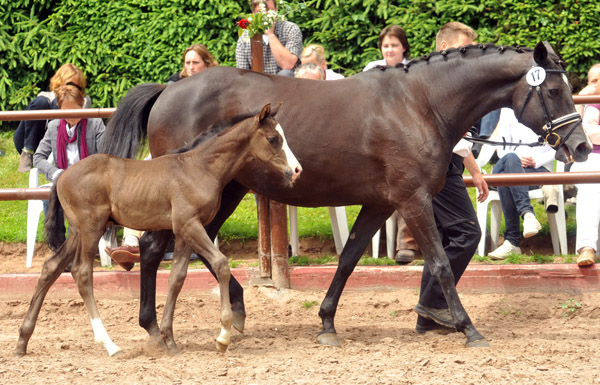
(279, 245)
(272, 216)
(264, 236)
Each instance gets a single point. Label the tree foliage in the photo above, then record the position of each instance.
(123, 43)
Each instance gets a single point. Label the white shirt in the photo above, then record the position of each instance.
(512, 131)
(381, 62)
(330, 75)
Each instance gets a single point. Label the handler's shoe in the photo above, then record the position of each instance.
(531, 226)
(125, 256)
(586, 256)
(504, 251)
(439, 316)
(425, 325)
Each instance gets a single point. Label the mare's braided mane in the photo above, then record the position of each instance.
(462, 50)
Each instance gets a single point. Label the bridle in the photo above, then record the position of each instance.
(536, 76)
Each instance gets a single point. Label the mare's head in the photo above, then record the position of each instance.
(542, 101)
(269, 146)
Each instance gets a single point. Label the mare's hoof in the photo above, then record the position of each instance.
(330, 339)
(479, 343)
(239, 321)
(222, 348)
(20, 354)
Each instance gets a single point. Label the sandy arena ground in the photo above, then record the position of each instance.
(536, 338)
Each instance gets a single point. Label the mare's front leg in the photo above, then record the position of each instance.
(82, 271)
(152, 250)
(193, 233)
(369, 220)
(181, 258)
(418, 215)
(52, 269)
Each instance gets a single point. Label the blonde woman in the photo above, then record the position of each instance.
(196, 58)
(29, 133)
(315, 53)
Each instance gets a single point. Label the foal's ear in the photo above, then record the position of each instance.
(540, 54)
(265, 112)
(275, 109)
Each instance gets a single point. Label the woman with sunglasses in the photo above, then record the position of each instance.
(29, 133)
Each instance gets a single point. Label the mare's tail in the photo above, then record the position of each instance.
(54, 232)
(127, 128)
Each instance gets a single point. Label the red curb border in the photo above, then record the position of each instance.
(500, 278)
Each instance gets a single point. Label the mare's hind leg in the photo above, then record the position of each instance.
(51, 270)
(82, 272)
(181, 257)
(369, 220)
(193, 234)
(420, 220)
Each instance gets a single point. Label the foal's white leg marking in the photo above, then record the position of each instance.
(289, 155)
(225, 337)
(101, 337)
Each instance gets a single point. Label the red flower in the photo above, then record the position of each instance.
(243, 23)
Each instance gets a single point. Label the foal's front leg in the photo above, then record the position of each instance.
(181, 258)
(194, 234)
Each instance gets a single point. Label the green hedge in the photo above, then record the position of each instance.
(123, 43)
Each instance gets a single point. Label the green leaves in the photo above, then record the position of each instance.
(120, 44)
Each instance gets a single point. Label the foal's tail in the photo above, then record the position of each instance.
(127, 128)
(54, 232)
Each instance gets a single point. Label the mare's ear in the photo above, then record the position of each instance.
(265, 112)
(540, 54)
(275, 109)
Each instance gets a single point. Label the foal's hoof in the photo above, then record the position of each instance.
(239, 321)
(222, 348)
(330, 339)
(479, 343)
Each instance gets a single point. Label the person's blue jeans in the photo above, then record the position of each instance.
(30, 133)
(514, 200)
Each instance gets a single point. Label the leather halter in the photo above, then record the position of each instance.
(548, 134)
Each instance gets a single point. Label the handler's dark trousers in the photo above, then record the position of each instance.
(459, 231)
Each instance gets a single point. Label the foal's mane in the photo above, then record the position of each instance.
(447, 54)
(212, 131)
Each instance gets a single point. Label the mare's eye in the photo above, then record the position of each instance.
(554, 92)
(273, 140)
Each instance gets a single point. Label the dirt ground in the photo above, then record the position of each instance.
(535, 338)
(532, 341)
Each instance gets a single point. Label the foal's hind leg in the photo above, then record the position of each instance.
(181, 257)
(193, 234)
(51, 270)
(420, 220)
(82, 272)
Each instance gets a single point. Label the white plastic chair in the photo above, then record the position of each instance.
(557, 221)
(339, 227)
(34, 209)
(391, 226)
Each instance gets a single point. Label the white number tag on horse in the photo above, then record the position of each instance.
(536, 76)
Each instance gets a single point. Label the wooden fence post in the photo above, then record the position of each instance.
(272, 216)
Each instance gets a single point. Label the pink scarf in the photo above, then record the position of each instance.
(63, 138)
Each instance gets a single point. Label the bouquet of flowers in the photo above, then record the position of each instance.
(264, 19)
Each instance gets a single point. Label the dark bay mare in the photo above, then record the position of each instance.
(381, 139)
(180, 191)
